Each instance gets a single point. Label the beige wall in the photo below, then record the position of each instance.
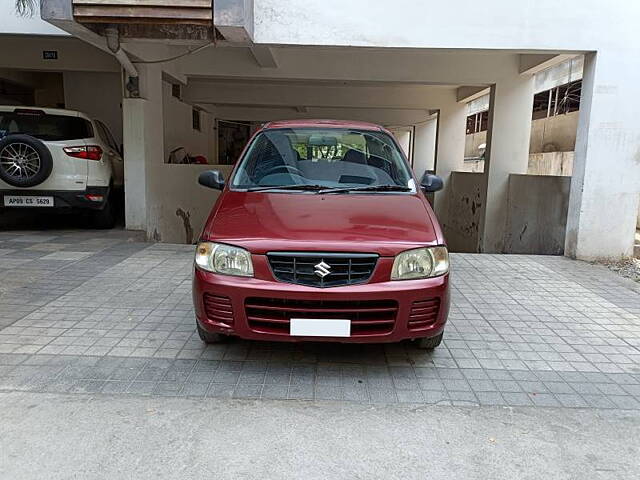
(472, 142)
(182, 207)
(537, 217)
(550, 163)
(179, 131)
(97, 94)
(49, 90)
(462, 229)
(554, 134)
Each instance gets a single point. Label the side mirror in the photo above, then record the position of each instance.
(211, 179)
(431, 183)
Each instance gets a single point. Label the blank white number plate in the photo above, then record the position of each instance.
(313, 327)
(18, 201)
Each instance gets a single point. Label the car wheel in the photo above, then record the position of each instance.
(24, 161)
(429, 343)
(208, 337)
(105, 218)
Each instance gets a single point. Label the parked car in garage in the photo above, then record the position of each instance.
(59, 160)
(322, 233)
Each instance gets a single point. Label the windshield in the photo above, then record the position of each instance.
(45, 127)
(329, 158)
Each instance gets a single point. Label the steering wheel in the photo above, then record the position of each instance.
(288, 168)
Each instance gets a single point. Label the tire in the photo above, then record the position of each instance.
(105, 218)
(24, 161)
(429, 343)
(208, 337)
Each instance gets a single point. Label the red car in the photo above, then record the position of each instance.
(322, 233)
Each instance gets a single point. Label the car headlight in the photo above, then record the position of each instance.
(420, 263)
(224, 259)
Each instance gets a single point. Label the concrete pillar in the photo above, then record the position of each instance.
(424, 155)
(508, 136)
(605, 186)
(143, 141)
(451, 123)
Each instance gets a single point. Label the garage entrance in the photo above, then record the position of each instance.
(209, 113)
(197, 108)
(54, 157)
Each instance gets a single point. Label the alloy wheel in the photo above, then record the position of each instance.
(20, 161)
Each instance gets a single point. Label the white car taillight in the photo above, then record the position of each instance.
(88, 152)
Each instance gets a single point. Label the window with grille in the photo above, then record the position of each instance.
(558, 100)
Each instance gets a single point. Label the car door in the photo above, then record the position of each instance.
(113, 153)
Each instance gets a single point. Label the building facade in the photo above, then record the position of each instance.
(193, 79)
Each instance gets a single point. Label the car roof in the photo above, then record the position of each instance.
(323, 124)
(47, 111)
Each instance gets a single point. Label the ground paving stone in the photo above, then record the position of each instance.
(87, 312)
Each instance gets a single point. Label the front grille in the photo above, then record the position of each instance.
(368, 317)
(218, 309)
(424, 313)
(343, 268)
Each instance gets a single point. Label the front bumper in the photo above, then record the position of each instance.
(234, 299)
(63, 199)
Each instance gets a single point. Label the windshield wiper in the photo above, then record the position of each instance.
(315, 188)
(369, 188)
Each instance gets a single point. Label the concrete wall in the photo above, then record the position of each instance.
(565, 72)
(24, 52)
(97, 94)
(536, 218)
(471, 143)
(550, 163)
(462, 229)
(11, 22)
(605, 187)
(537, 215)
(179, 131)
(179, 207)
(552, 134)
(49, 90)
(499, 24)
(424, 155)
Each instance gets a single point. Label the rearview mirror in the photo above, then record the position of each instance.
(211, 179)
(431, 183)
(322, 141)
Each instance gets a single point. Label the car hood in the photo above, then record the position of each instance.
(262, 222)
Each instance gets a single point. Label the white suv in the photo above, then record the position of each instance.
(58, 159)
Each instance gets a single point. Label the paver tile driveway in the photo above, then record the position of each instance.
(102, 312)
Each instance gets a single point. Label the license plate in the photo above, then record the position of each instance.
(27, 201)
(315, 327)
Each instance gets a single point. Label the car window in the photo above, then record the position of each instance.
(101, 133)
(329, 157)
(44, 126)
(112, 141)
(105, 135)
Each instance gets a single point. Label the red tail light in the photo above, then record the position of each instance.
(89, 152)
(93, 197)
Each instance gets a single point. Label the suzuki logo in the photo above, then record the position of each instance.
(322, 269)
